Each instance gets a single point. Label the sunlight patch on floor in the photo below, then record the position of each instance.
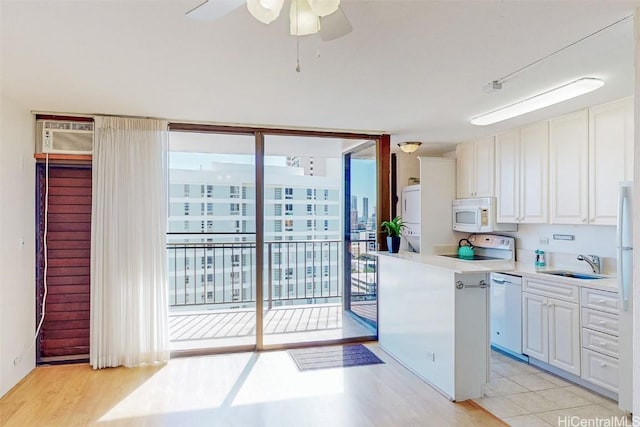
(278, 378)
(223, 381)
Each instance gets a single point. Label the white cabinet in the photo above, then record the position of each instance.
(535, 335)
(564, 335)
(591, 151)
(551, 325)
(508, 188)
(568, 161)
(465, 170)
(610, 157)
(600, 342)
(600, 369)
(475, 168)
(522, 165)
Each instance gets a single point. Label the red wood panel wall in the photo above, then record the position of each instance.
(65, 331)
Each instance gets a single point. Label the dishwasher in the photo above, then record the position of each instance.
(506, 313)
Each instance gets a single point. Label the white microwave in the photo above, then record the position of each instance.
(477, 216)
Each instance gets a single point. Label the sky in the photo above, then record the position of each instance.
(363, 182)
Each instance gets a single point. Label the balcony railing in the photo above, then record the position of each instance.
(222, 273)
(364, 270)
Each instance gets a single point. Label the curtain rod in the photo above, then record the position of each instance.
(208, 123)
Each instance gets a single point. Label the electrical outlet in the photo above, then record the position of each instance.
(431, 356)
(544, 240)
(17, 361)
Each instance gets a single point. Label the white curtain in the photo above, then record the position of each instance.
(129, 313)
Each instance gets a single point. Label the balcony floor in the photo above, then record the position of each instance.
(199, 329)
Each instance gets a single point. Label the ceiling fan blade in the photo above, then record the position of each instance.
(335, 25)
(213, 9)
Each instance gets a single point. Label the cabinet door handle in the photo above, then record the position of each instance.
(604, 344)
(602, 322)
(584, 219)
(601, 301)
(603, 365)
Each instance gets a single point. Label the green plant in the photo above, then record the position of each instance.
(393, 227)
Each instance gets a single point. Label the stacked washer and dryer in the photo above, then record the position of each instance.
(411, 216)
(426, 207)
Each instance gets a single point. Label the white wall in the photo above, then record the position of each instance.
(589, 240)
(17, 242)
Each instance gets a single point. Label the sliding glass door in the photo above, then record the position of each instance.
(361, 229)
(303, 230)
(257, 251)
(212, 241)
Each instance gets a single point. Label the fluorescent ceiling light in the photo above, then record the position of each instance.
(545, 99)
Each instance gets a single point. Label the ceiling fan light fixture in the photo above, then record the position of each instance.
(409, 146)
(302, 20)
(324, 7)
(542, 100)
(273, 5)
(265, 11)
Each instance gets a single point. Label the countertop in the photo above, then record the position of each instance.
(458, 266)
(609, 283)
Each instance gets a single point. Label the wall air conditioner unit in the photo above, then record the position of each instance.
(64, 137)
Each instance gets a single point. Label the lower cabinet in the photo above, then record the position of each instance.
(600, 340)
(600, 369)
(551, 328)
(572, 328)
(564, 335)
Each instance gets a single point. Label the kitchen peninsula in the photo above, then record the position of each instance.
(433, 318)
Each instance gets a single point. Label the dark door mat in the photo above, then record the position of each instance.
(333, 357)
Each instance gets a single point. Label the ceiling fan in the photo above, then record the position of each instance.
(325, 17)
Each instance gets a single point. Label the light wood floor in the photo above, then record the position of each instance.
(241, 389)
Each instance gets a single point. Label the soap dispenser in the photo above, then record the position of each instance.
(540, 261)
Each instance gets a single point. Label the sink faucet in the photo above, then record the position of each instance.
(593, 261)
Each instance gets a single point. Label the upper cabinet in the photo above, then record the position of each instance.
(508, 177)
(610, 157)
(591, 152)
(562, 171)
(569, 164)
(522, 170)
(475, 166)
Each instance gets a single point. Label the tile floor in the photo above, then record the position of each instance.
(523, 395)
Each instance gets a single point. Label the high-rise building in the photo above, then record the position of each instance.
(301, 228)
(354, 212)
(365, 209)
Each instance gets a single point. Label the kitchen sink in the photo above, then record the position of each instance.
(573, 275)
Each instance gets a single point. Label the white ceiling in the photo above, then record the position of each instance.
(414, 69)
